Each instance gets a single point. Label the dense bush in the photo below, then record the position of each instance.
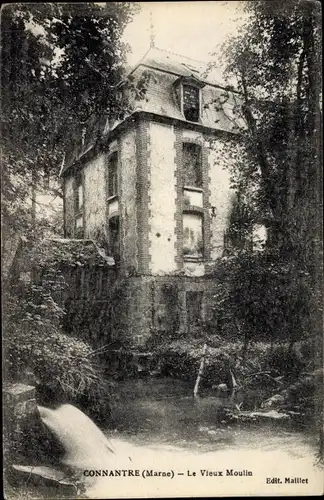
(287, 361)
(263, 298)
(261, 372)
(64, 367)
(182, 359)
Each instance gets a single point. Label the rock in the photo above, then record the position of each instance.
(272, 414)
(43, 476)
(263, 415)
(221, 389)
(254, 416)
(19, 411)
(275, 400)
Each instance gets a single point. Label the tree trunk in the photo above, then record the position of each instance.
(200, 372)
(33, 200)
(245, 346)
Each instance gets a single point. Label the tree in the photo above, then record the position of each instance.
(276, 165)
(62, 65)
(276, 61)
(62, 70)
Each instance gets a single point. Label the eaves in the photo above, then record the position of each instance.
(103, 144)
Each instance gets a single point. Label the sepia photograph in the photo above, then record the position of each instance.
(162, 249)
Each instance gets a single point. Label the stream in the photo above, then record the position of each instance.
(163, 413)
(162, 442)
(161, 426)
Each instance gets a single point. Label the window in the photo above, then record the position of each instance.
(112, 175)
(46, 180)
(191, 103)
(192, 165)
(114, 237)
(193, 247)
(78, 200)
(194, 308)
(259, 237)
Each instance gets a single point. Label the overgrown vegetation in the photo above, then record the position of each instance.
(63, 367)
(264, 371)
(276, 295)
(261, 297)
(63, 71)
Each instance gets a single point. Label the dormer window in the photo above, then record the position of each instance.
(188, 92)
(191, 103)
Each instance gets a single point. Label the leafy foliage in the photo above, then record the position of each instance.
(62, 65)
(275, 61)
(63, 366)
(261, 297)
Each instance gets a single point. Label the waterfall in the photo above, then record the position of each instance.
(84, 443)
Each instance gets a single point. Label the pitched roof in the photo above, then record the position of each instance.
(179, 65)
(165, 68)
(160, 99)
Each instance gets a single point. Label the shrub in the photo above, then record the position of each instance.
(64, 367)
(262, 297)
(285, 361)
(182, 359)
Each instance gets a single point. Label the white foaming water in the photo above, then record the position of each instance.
(84, 443)
(88, 448)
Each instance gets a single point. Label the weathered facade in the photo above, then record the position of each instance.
(157, 192)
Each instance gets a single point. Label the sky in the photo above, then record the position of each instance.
(191, 28)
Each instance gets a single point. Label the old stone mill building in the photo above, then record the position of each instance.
(156, 192)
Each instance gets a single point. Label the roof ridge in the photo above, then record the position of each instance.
(176, 54)
(151, 49)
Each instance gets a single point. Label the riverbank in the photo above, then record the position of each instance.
(159, 432)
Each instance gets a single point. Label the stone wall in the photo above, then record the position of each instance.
(162, 206)
(131, 317)
(68, 188)
(95, 197)
(19, 411)
(127, 203)
(87, 300)
(150, 309)
(142, 194)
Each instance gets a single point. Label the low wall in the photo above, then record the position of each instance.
(19, 411)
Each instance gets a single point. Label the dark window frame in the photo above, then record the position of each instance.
(191, 113)
(112, 187)
(194, 258)
(198, 184)
(78, 209)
